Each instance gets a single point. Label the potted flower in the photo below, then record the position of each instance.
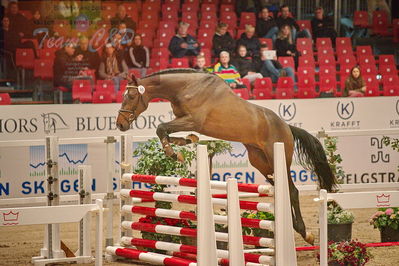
(387, 221)
(339, 222)
(350, 253)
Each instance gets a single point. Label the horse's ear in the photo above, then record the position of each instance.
(131, 78)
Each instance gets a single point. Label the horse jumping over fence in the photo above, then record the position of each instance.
(204, 103)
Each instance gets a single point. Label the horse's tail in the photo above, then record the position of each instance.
(311, 155)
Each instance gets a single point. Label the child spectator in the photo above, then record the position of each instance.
(183, 44)
(222, 40)
(112, 67)
(323, 26)
(355, 86)
(271, 67)
(200, 64)
(249, 40)
(285, 45)
(266, 26)
(245, 65)
(121, 17)
(139, 56)
(227, 71)
(285, 19)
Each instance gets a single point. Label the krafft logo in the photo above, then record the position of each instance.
(53, 122)
(287, 111)
(345, 110)
(394, 123)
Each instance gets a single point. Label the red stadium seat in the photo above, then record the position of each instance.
(82, 91)
(328, 84)
(260, 94)
(263, 83)
(388, 70)
(5, 99)
(306, 93)
(208, 8)
(342, 42)
(247, 84)
(366, 60)
(159, 63)
(323, 51)
(306, 81)
(306, 61)
(180, 62)
(391, 85)
(369, 70)
(209, 16)
(170, 16)
(344, 51)
(305, 46)
(305, 72)
(24, 58)
(43, 69)
(304, 24)
(242, 93)
(165, 34)
(349, 60)
(205, 42)
(285, 82)
(105, 85)
(323, 43)
(326, 60)
(151, 6)
(230, 18)
(327, 71)
(364, 50)
(361, 19)
(147, 24)
(158, 53)
(372, 86)
(226, 8)
(190, 17)
(267, 41)
(287, 61)
(102, 97)
(161, 43)
(380, 23)
(247, 18)
(386, 60)
(190, 7)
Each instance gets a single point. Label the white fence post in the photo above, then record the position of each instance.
(126, 166)
(323, 227)
(84, 198)
(236, 246)
(284, 237)
(109, 198)
(206, 240)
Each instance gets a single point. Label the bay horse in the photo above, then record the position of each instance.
(204, 103)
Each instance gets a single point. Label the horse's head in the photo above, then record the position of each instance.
(135, 101)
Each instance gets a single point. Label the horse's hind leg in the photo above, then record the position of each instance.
(184, 141)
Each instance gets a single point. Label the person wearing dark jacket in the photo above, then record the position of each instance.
(121, 17)
(183, 44)
(18, 22)
(266, 26)
(285, 19)
(222, 40)
(91, 59)
(285, 45)
(249, 40)
(245, 65)
(139, 56)
(66, 66)
(323, 26)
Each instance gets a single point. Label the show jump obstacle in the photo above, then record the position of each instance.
(54, 214)
(279, 251)
(350, 200)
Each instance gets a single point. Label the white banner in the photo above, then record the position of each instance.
(365, 158)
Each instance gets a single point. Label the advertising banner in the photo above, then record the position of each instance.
(22, 168)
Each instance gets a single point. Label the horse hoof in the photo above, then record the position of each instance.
(309, 238)
(192, 138)
(180, 157)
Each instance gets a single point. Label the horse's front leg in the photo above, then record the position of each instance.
(184, 123)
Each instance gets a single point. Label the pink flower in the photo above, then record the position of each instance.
(388, 211)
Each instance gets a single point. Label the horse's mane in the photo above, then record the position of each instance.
(174, 71)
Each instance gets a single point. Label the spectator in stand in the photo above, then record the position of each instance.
(245, 64)
(67, 65)
(90, 57)
(248, 6)
(285, 19)
(249, 40)
(355, 86)
(222, 40)
(139, 56)
(285, 46)
(18, 22)
(323, 26)
(272, 68)
(121, 17)
(227, 71)
(266, 26)
(183, 44)
(373, 5)
(200, 64)
(37, 26)
(112, 67)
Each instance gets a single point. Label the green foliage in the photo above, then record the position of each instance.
(216, 147)
(385, 217)
(393, 142)
(336, 215)
(257, 231)
(334, 159)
